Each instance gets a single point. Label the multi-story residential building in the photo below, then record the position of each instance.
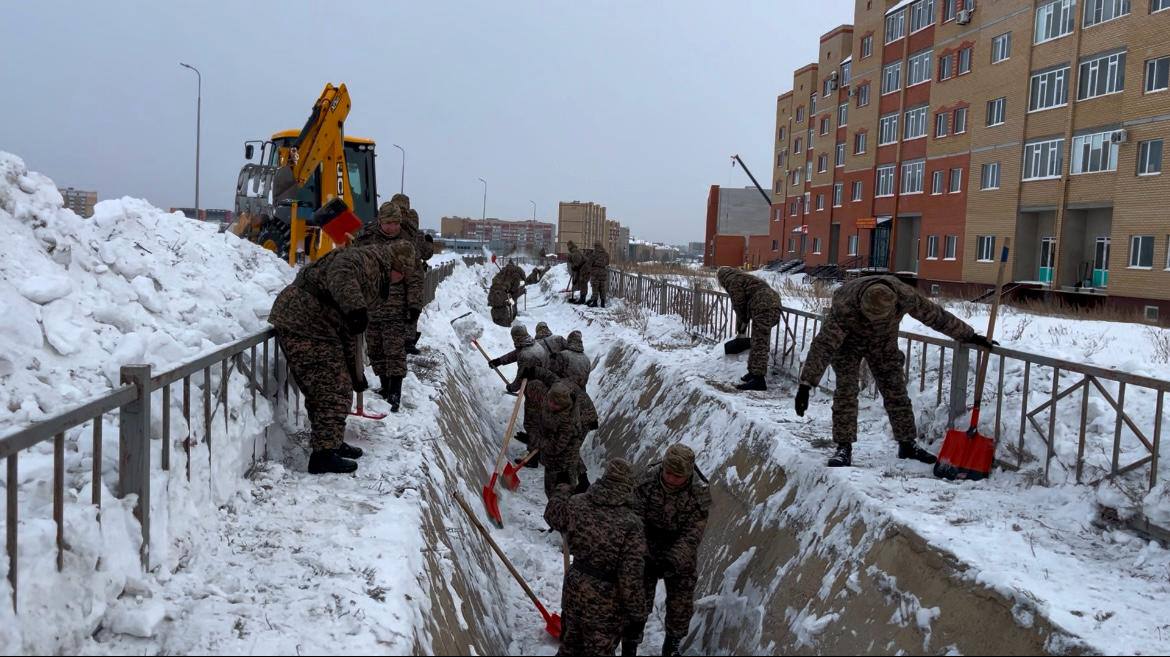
(930, 131)
(211, 215)
(79, 201)
(582, 223)
(617, 240)
(737, 220)
(501, 235)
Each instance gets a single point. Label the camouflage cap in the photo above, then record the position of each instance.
(679, 461)
(560, 395)
(542, 330)
(401, 200)
(620, 475)
(412, 217)
(401, 256)
(572, 245)
(724, 275)
(575, 343)
(389, 211)
(878, 301)
(520, 337)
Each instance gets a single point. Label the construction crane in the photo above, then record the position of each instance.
(736, 158)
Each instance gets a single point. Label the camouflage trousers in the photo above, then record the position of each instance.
(320, 371)
(573, 474)
(886, 362)
(680, 597)
(590, 615)
(534, 394)
(582, 286)
(503, 315)
(600, 284)
(762, 323)
(386, 339)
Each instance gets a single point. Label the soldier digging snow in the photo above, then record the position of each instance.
(317, 319)
(673, 502)
(499, 299)
(529, 356)
(424, 248)
(561, 437)
(602, 600)
(862, 323)
(579, 269)
(598, 274)
(390, 320)
(757, 304)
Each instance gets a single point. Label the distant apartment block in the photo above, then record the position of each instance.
(617, 241)
(582, 223)
(734, 215)
(501, 235)
(80, 201)
(929, 132)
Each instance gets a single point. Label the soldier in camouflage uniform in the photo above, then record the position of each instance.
(561, 437)
(317, 319)
(602, 601)
(862, 323)
(503, 309)
(390, 319)
(515, 280)
(580, 269)
(424, 247)
(757, 304)
(534, 276)
(673, 502)
(529, 356)
(598, 275)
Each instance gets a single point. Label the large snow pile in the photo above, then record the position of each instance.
(81, 297)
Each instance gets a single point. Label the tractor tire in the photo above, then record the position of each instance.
(274, 236)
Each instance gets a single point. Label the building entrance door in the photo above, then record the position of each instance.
(834, 242)
(1047, 259)
(1101, 263)
(879, 247)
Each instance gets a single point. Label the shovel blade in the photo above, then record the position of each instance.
(491, 502)
(369, 415)
(965, 456)
(511, 477)
(553, 626)
(737, 346)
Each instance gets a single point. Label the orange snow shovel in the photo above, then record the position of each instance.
(512, 472)
(359, 366)
(489, 490)
(552, 622)
(968, 454)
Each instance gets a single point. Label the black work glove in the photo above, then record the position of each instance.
(802, 400)
(360, 384)
(494, 363)
(981, 341)
(428, 237)
(515, 385)
(356, 321)
(413, 314)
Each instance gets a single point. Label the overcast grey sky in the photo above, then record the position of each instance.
(633, 105)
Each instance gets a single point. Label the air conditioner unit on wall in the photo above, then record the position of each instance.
(1119, 137)
(964, 16)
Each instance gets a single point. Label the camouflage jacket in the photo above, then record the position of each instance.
(403, 295)
(605, 537)
(534, 276)
(574, 366)
(749, 294)
(534, 355)
(561, 436)
(845, 325)
(501, 289)
(577, 260)
(343, 280)
(674, 520)
(598, 260)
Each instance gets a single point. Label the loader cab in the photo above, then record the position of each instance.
(359, 158)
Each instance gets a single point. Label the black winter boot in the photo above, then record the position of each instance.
(746, 377)
(910, 450)
(753, 382)
(347, 451)
(843, 457)
(603, 302)
(327, 460)
(670, 645)
(592, 303)
(629, 648)
(582, 484)
(395, 396)
(521, 437)
(411, 349)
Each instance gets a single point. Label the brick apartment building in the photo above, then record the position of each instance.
(737, 226)
(501, 235)
(80, 201)
(585, 223)
(929, 131)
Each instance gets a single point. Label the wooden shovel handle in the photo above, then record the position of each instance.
(981, 376)
(500, 553)
(511, 426)
(489, 360)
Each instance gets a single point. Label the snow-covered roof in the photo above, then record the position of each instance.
(900, 5)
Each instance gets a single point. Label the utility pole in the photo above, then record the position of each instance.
(198, 127)
(402, 177)
(483, 215)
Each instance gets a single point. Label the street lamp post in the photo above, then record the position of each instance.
(532, 228)
(198, 127)
(402, 177)
(483, 215)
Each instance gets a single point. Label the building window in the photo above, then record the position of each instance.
(859, 143)
(842, 115)
(807, 202)
(1141, 251)
(1101, 11)
(918, 68)
(796, 146)
(950, 10)
(824, 125)
(912, 174)
(794, 208)
(960, 120)
(941, 124)
(885, 180)
(956, 181)
(1159, 5)
(775, 245)
(936, 182)
(1048, 89)
(921, 15)
(1054, 20)
(838, 194)
(827, 87)
(1157, 74)
(989, 176)
(783, 132)
(867, 45)
(915, 123)
(846, 72)
(840, 159)
(891, 77)
(863, 95)
(856, 190)
(888, 129)
(996, 110)
(1093, 153)
(945, 67)
(822, 163)
(1043, 159)
(810, 137)
(1150, 157)
(820, 202)
(1001, 48)
(779, 185)
(808, 173)
(932, 247)
(779, 159)
(812, 106)
(853, 245)
(792, 245)
(816, 245)
(800, 114)
(964, 61)
(950, 247)
(985, 248)
(1101, 75)
(895, 26)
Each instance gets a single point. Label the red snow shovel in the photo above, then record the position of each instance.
(512, 472)
(552, 622)
(489, 490)
(359, 366)
(968, 454)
